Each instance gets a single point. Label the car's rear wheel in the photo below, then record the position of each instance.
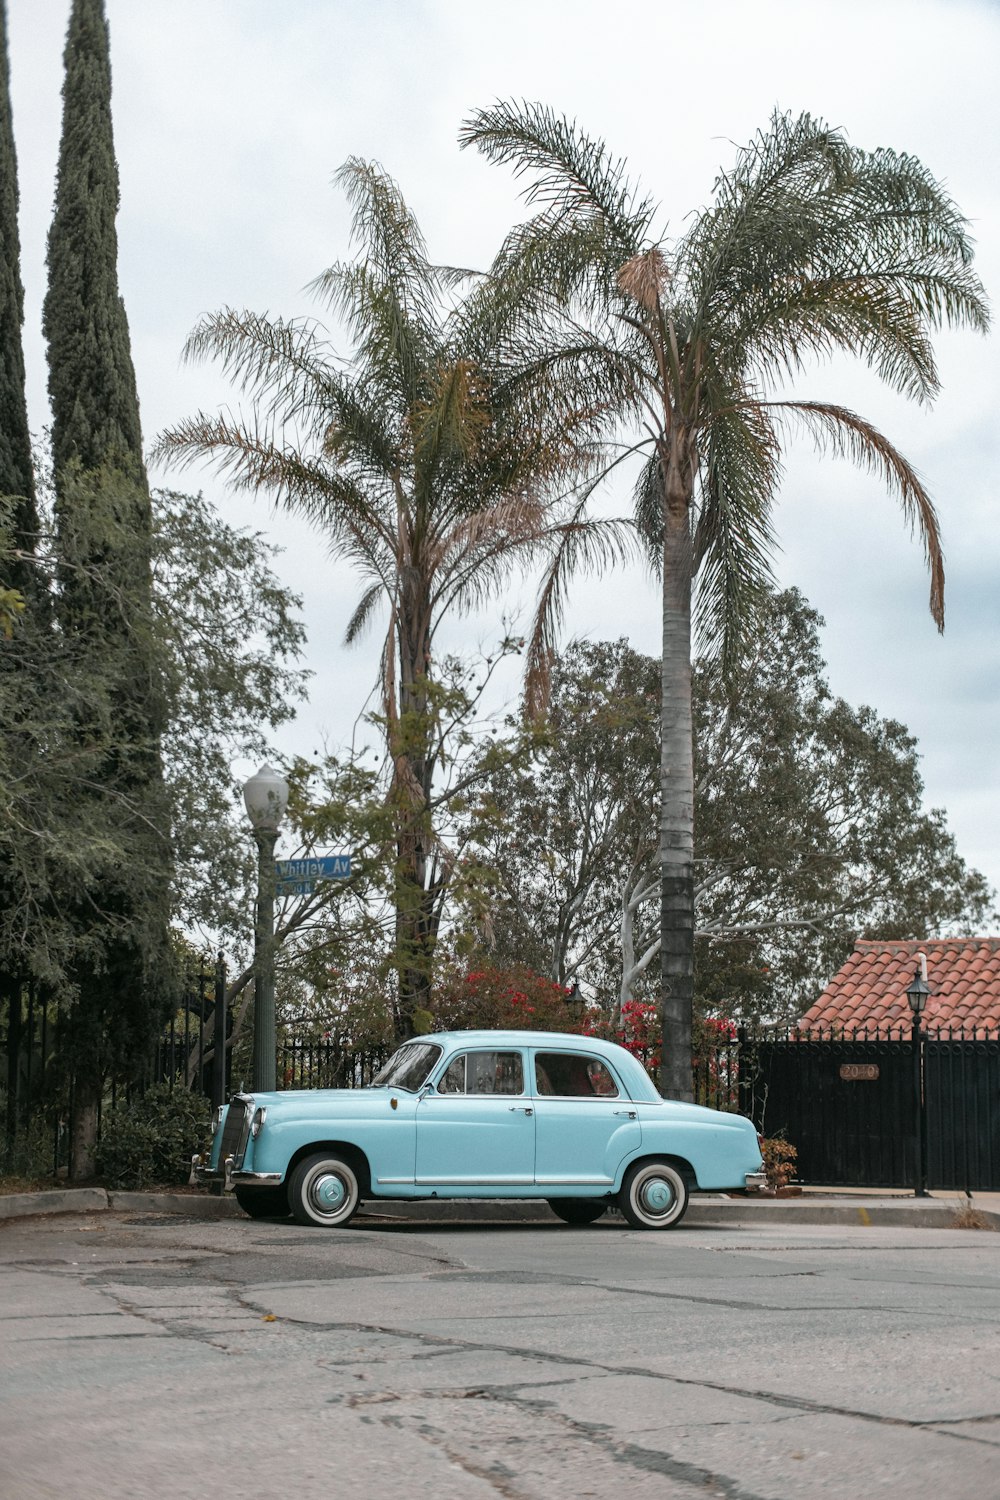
(323, 1191)
(577, 1210)
(263, 1202)
(654, 1195)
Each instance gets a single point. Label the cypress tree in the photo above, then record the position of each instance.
(103, 540)
(16, 477)
(95, 408)
(19, 519)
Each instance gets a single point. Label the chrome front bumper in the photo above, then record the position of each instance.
(202, 1171)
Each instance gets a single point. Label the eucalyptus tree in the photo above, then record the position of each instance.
(427, 463)
(810, 246)
(812, 828)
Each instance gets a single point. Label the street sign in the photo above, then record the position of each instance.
(299, 877)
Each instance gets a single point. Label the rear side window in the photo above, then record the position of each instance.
(572, 1075)
(483, 1073)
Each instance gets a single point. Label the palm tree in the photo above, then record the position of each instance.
(809, 247)
(428, 464)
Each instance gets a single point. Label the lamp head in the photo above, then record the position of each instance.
(266, 797)
(916, 993)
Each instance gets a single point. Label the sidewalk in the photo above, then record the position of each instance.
(875, 1207)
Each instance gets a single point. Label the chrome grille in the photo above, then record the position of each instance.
(236, 1130)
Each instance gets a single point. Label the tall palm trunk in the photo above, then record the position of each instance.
(676, 792)
(414, 772)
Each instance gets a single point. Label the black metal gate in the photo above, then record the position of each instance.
(962, 1085)
(853, 1106)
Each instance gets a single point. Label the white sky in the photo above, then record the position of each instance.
(231, 116)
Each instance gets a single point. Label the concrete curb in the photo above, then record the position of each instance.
(191, 1205)
(914, 1213)
(729, 1213)
(58, 1201)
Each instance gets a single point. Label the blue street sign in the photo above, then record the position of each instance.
(316, 867)
(298, 877)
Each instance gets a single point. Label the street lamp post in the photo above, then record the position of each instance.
(916, 993)
(266, 797)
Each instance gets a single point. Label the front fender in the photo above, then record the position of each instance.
(384, 1135)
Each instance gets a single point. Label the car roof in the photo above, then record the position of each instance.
(547, 1039)
(629, 1069)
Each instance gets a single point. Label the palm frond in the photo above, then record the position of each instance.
(254, 462)
(647, 497)
(813, 246)
(452, 420)
(281, 360)
(572, 173)
(579, 545)
(389, 235)
(363, 612)
(733, 540)
(848, 435)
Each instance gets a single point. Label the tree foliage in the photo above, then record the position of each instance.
(811, 829)
(224, 633)
(92, 387)
(123, 971)
(16, 476)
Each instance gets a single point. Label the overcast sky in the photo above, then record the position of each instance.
(232, 115)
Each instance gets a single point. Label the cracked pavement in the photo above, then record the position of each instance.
(146, 1355)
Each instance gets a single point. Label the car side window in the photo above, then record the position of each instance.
(571, 1075)
(483, 1073)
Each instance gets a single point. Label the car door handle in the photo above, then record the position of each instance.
(513, 1108)
(631, 1113)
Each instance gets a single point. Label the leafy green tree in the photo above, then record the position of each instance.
(428, 465)
(124, 969)
(812, 829)
(811, 826)
(230, 642)
(227, 639)
(565, 823)
(811, 246)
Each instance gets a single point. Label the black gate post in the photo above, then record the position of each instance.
(920, 1112)
(221, 1035)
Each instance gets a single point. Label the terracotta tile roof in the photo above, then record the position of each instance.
(870, 989)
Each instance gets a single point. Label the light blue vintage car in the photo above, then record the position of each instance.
(484, 1114)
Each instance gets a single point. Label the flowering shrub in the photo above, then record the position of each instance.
(779, 1162)
(514, 999)
(638, 1031)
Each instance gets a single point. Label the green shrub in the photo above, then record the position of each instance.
(150, 1142)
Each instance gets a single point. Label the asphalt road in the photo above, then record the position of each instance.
(153, 1356)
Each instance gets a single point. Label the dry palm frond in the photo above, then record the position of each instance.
(646, 278)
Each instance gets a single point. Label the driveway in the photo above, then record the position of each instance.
(145, 1355)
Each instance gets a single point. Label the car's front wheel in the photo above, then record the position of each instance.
(263, 1202)
(324, 1191)
(577, 1210)
(654, 1195)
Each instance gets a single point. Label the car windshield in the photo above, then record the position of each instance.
(408, 1068)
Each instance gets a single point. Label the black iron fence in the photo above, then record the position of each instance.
(37, 1084)
(877, 1108)
(863, 1109)
(327, 1061)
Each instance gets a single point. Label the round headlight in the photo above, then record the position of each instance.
(257, 1123)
